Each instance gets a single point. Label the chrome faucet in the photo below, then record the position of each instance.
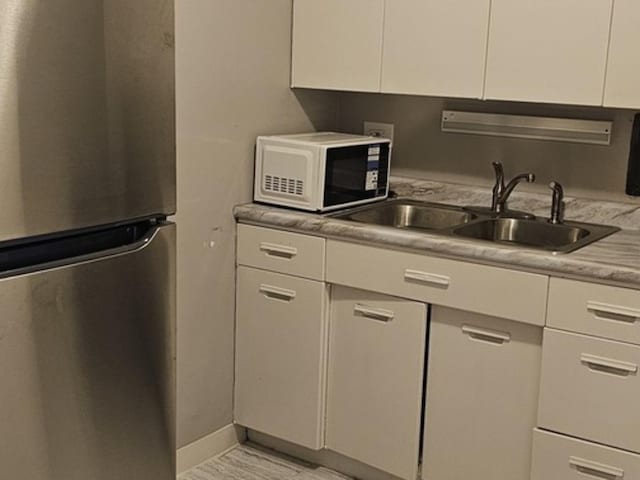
(557, 203)
(501, 192)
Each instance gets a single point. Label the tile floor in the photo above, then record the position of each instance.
(251, 462)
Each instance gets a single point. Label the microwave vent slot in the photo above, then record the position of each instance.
(291, 186)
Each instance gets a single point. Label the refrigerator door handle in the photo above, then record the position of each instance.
(79, 248)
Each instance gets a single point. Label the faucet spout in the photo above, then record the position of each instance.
(502, 192)
(528, 177)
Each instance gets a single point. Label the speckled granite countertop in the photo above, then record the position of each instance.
(612, 260)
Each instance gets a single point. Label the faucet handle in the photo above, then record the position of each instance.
(556, 187)
(557, 203)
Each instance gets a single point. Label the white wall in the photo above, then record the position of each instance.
(232, 62)
(422, 150)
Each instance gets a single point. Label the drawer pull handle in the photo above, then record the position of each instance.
(424, 277)
(614, 312)
(281, 251)
(594, 469)
(608, 365)
(486, 335)
(374, 313)
(277, 293)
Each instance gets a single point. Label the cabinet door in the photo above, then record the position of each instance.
(623, 70)
(280, 356)
(482, 393)
(376, 374)
(548, 50)
(433, 47)
(590, 389)
(337, 44)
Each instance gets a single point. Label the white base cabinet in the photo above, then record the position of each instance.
(482, 391)
(375, 381)
(281, 337)
(590, 389)
(556, 457)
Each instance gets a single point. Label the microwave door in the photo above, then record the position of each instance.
(352, 175)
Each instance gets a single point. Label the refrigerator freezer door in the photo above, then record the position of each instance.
(86, 113)
(87, 368)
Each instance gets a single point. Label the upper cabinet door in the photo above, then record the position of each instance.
(337, 44)
(435, 47)
(548, 50)
(623, 72)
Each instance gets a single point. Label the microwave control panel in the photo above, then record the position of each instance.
(373, 167)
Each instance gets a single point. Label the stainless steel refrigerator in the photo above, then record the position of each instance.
(87, 257)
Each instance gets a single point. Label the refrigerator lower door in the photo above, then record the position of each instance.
(87, 353)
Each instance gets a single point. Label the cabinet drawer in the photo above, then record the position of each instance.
(609, 312)
(556, 457)
(492, 291)
(590, 389)
(281, 355)
(284, 252)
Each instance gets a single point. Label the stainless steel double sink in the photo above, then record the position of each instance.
(463, 222)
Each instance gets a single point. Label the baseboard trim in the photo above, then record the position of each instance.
(325, 458)
(209, 446)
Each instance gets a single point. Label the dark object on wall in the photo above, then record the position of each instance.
(633, 172)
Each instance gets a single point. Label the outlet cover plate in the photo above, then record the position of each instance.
(378, 129)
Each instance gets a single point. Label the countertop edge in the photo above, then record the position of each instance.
(555, 265)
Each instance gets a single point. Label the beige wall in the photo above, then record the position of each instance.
(422, 150)
(232, 61)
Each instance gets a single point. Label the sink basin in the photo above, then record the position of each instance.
(409, 214)
(453, 221)
(535, 233)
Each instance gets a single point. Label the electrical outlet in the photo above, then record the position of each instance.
(376, 129)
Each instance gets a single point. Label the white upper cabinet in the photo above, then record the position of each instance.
(337, 44)
(435, 47)
(623, 71)
(548, 50)
(576, 52)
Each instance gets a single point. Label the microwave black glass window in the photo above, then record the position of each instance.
(356, 173)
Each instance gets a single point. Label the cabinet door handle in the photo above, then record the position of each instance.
(594, 469)
(276, 250)
(614, 312)
(374, 313)
(277, 293)
(608, 365)
(429, 278)
(486, 335)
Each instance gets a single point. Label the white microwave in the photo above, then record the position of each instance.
(321, 171)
